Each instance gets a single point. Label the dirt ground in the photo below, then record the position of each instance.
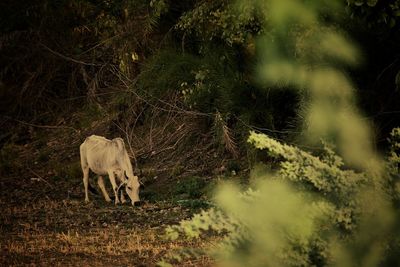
(44, 222)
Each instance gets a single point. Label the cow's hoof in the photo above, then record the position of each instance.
(137, 203)
(108, 200)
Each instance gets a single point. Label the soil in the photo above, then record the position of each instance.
(45, 223)
(44, 220)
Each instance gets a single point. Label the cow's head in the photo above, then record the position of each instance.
(132, 189)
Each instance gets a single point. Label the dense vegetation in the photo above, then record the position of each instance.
(201, 89)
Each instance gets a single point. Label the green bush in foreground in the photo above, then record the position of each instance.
(339, 208)
(311, 212)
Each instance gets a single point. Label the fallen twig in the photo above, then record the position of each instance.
(39, 177)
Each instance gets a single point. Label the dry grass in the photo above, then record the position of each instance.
(120, 246)
(61, 231)
(44, 220)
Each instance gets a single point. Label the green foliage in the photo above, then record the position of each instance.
(331, 209)
(370, 3)
(89, 114)
(394, 156)
(205, 83)
(165, 72)
(394, 164)
(330, 114)
(159, 7)
(293, 218)
(216, 84)
(215, 20)
(323, 175)
(191, 187)
(211, 219)
(258, 227)
(67, 49)
(328, 110)
(376, 12)
(189, 192)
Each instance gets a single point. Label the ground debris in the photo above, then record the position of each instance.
(39, 226)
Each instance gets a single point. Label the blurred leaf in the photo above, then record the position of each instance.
(337, 46)
(359, 2)
(372, 2)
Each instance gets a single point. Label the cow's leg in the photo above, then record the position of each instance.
(121, 177)
(86, 182)
(122, 197)
(114, 185)
(100, 182)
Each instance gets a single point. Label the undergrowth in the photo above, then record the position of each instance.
(335, 209)
(318, 210)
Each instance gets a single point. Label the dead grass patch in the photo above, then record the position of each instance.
(72, 233)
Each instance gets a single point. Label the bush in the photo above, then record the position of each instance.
(304, 215)
(190, 187)
(332, 209)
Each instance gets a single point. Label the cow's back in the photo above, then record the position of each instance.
(100, 154)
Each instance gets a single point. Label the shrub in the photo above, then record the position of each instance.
(331, 209)
(192, 187)
(305, 214)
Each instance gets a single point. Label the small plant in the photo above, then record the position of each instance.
(190, 187)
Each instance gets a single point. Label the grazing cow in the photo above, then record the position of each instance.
(104, 157)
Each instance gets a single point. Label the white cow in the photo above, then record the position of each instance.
(104, 157)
